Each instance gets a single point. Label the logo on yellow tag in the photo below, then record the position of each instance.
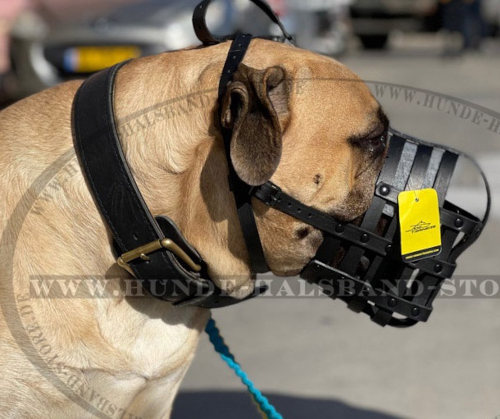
(419, 222)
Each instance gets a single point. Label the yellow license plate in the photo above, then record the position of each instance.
(91, 59)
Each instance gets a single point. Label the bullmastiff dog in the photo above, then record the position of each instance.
(302, 120)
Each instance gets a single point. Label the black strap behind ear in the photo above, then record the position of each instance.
(241, 191)
(207, 38)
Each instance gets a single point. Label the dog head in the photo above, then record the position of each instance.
(312, 127)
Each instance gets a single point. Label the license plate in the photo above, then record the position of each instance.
(91, 59)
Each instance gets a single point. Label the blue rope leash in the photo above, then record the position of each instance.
(226, 355)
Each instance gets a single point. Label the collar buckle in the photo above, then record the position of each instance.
(269, 193)
(143, 251)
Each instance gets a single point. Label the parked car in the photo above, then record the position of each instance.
(491, 14)
(44, 54)
(322, 26)
(373, 20)
(47, 51)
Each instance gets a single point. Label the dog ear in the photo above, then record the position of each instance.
(256, 108)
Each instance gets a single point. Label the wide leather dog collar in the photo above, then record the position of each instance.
(151, 248)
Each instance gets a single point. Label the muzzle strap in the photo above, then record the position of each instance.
(272, 195)
(240, 190)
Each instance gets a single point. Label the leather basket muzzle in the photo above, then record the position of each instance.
(369, 273)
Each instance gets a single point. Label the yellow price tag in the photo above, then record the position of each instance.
(419, 222)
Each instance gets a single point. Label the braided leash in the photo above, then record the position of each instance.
(267, 409)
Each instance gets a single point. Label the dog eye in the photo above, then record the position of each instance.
(378, 142)
(377, 145)
(373, 144)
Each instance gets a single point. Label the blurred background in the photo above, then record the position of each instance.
(44, 42)
(312, 356)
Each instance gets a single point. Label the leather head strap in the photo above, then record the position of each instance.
(207, 38)
(241, 191)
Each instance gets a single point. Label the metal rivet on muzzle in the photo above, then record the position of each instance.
(364, 238)
(459, 223)
(339, 228)
(392, 302)
(415, 311)
(385, 190)
(438, 268)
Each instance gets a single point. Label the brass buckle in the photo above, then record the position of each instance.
(144, 250)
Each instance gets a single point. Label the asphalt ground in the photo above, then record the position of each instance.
(316, 359)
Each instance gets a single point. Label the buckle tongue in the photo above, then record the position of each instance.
(144, 250)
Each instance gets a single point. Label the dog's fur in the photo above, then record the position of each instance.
(304, 121)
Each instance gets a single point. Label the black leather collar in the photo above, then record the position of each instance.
(152, 249)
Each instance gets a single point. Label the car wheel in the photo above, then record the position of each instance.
(374, 41)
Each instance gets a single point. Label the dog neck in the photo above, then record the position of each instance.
(166, 125)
